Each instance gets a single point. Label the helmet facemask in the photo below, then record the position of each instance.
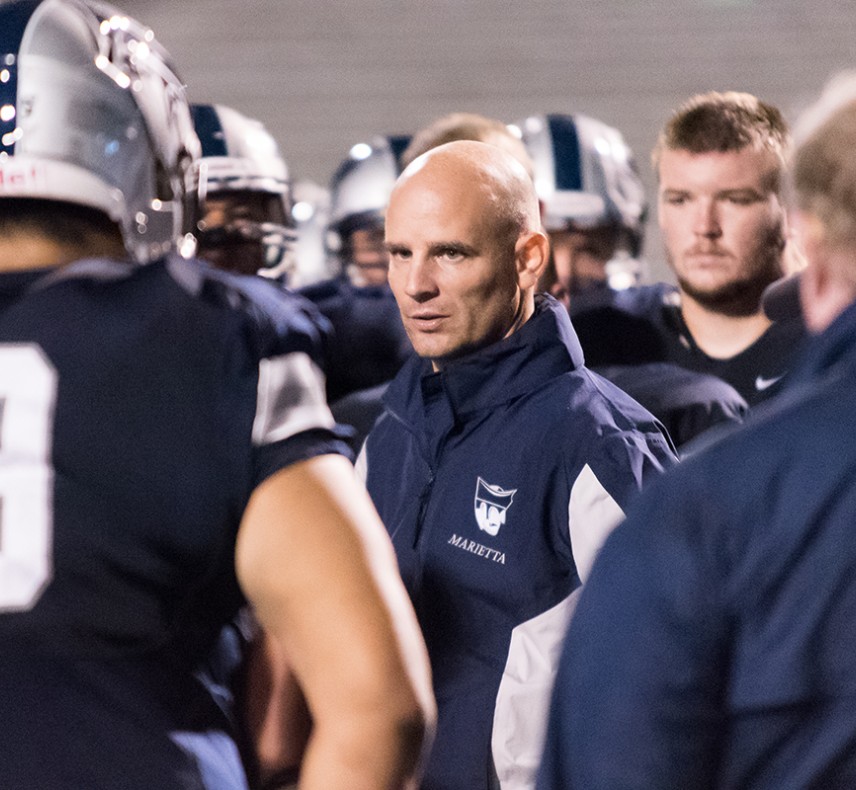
(245, 221)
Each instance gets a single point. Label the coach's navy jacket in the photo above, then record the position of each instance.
(498, 478)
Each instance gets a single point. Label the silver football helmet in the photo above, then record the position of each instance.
(241, 159)
(359, 194)
(310, 213)
(585, 174)
(93, 113)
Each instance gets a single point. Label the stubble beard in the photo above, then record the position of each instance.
(740, 296)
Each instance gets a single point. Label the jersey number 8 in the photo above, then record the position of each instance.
(28, 384)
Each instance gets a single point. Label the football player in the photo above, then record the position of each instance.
(369, 343)
(720, 161)
(246, 224)
(593, 204)
(166, 454)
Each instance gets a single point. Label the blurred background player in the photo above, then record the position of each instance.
(245, 224)
(359, 193)
(254, 219)
(593, 205)
(720, 163)
(311, 214)
(369, 343)
(164, 443)
(594, 209)
(466, 126)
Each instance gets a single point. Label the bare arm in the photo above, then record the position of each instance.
(273, 712)
(317, 566)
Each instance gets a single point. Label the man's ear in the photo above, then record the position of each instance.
(813, 286)
(821, 295)
(531, 252)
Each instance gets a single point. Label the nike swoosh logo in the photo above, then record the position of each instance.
(762, 384)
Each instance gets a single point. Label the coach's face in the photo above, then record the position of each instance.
(452, 265)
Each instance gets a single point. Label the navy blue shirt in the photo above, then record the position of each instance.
(713, 646)
(368, 344)
(140, 408)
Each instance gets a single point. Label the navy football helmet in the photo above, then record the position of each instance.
(359, 194)
(586, 179)
(585, 174)
(93, 113)
(243, 173)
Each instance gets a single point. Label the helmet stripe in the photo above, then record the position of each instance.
(568, 166)
(209, 130)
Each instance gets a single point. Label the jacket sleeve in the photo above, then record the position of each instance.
(619, 465)
(635, 703)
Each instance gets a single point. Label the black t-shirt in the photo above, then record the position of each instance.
(643, 325)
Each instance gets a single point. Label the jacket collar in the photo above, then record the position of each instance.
(831, 350)
(545, 346)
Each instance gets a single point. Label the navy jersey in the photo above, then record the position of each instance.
(140, 408)
(688, 403)
(368, 345)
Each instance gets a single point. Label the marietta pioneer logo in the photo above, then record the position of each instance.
(491, 506)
